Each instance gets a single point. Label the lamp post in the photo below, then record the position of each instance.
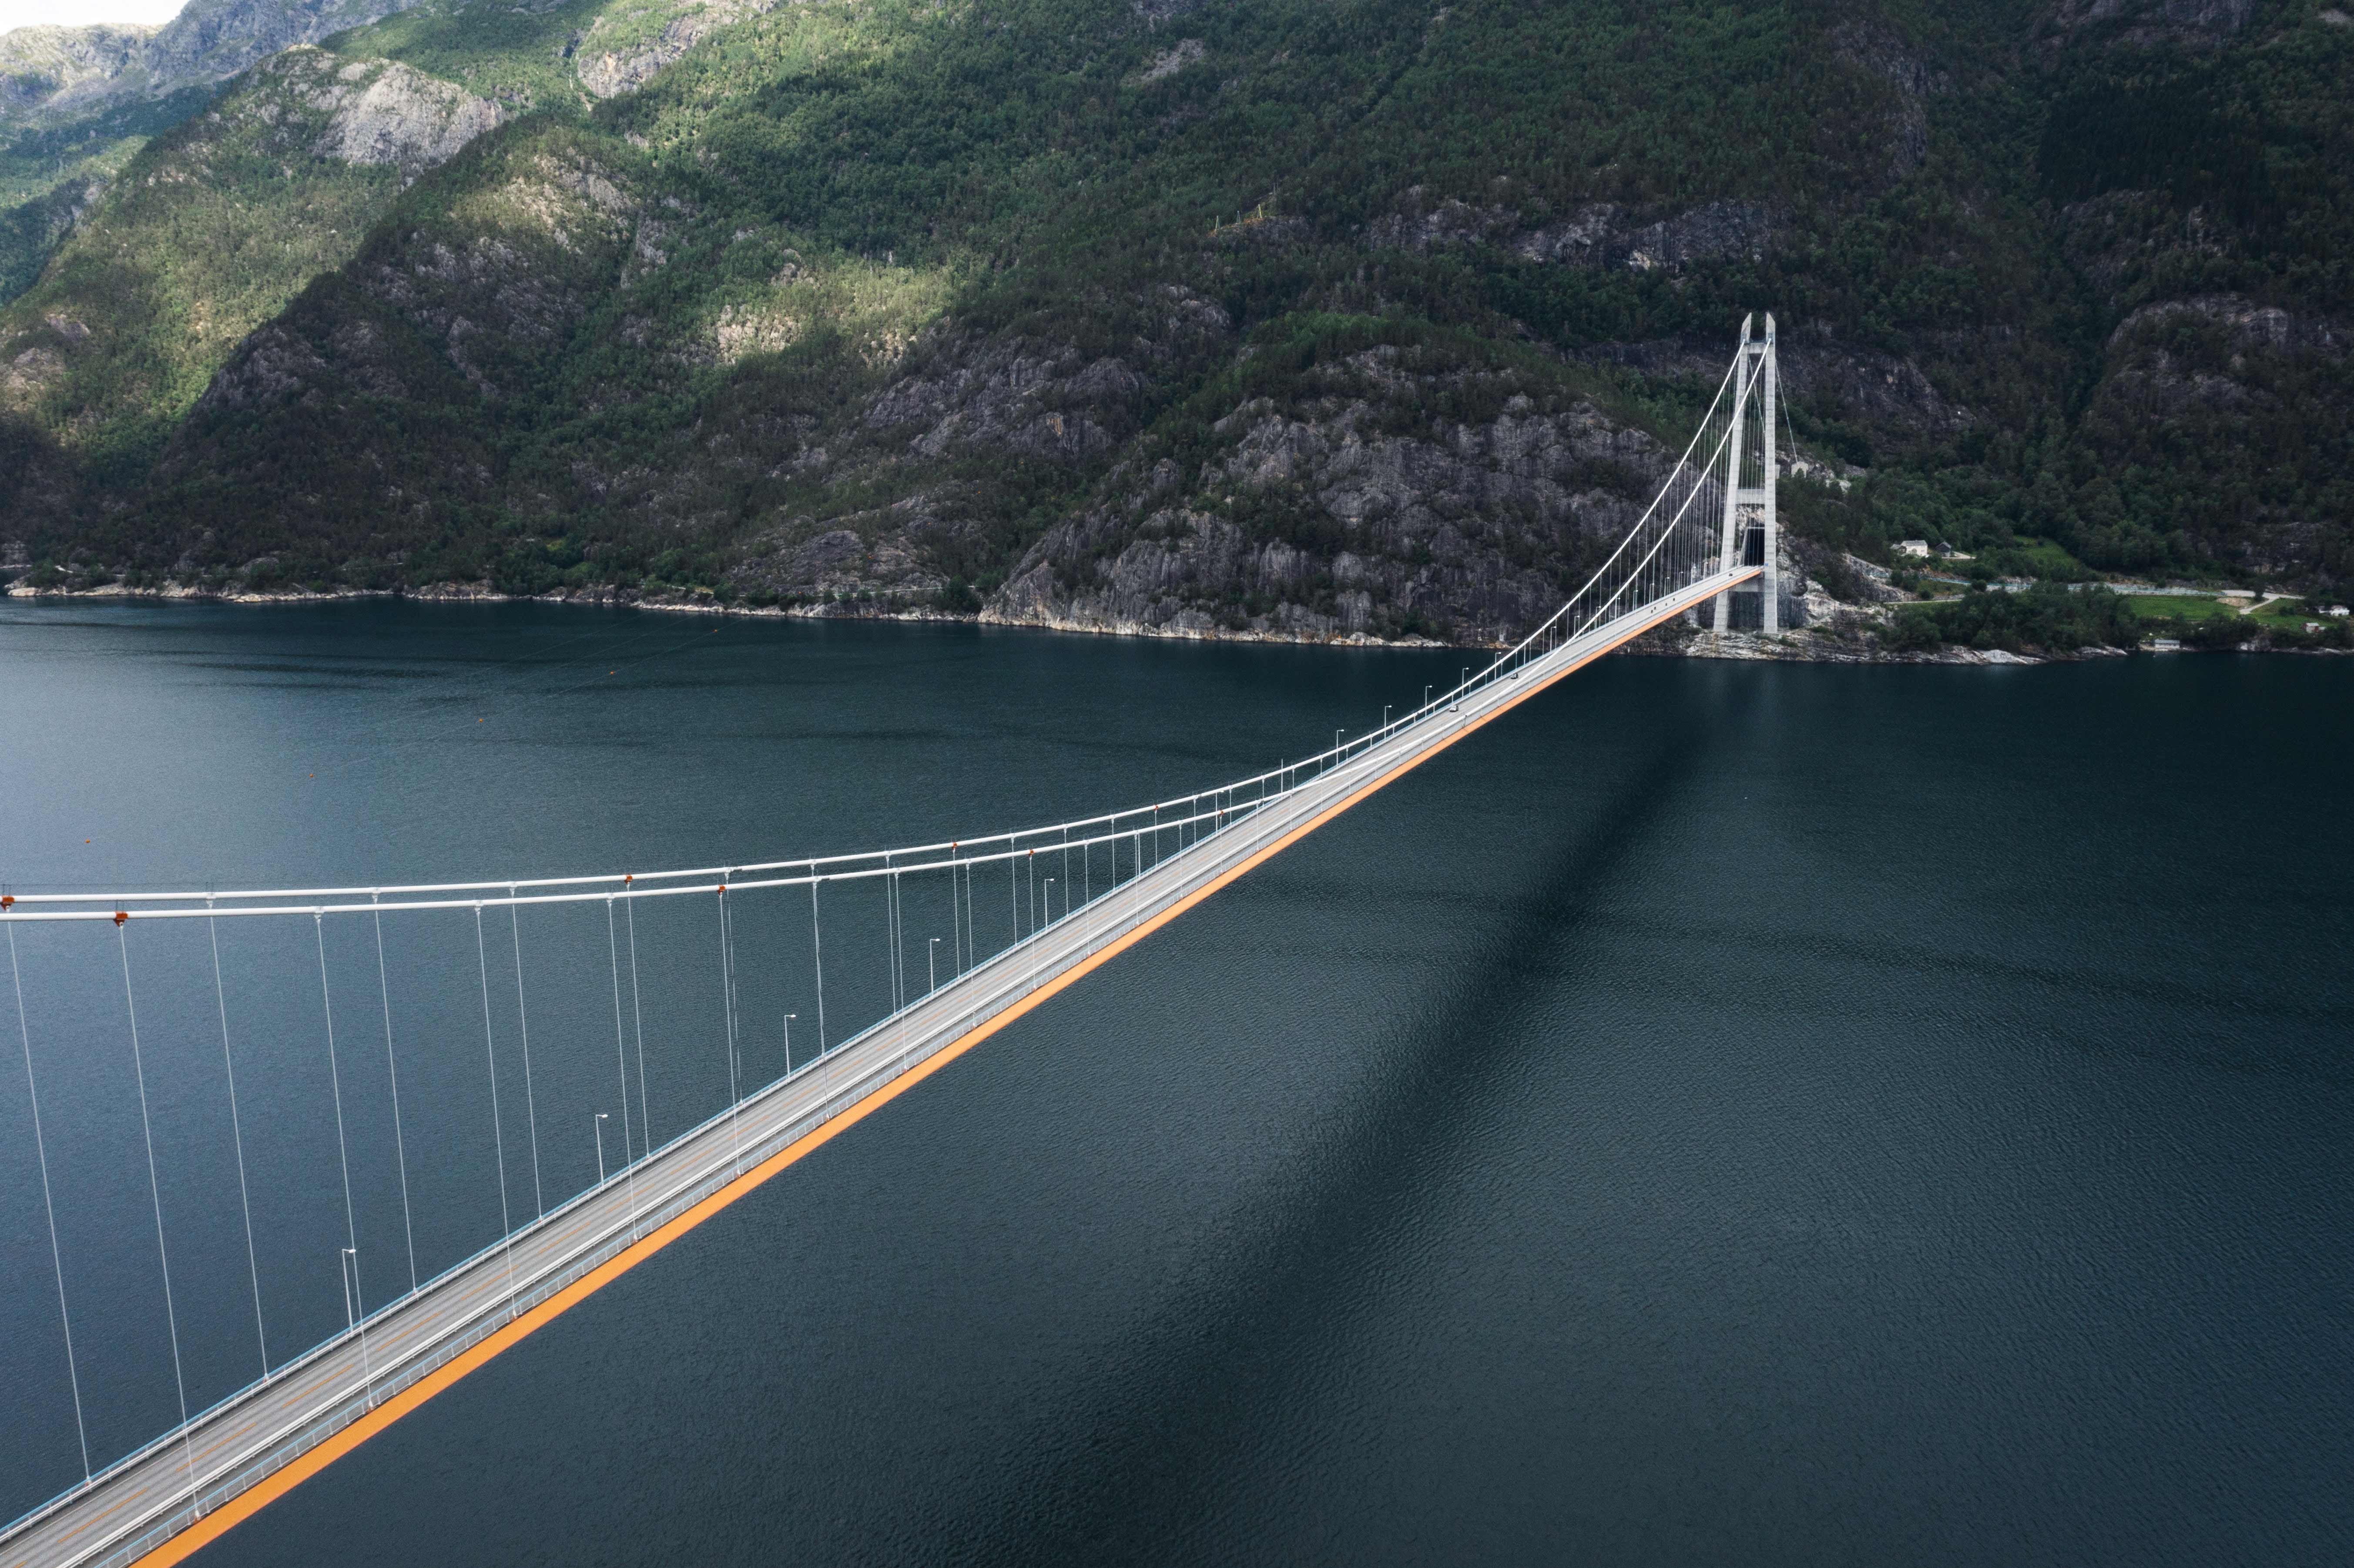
(1050, 901)
(341, 1253)
(599, 1125)
(932, 966)
(789, 1042)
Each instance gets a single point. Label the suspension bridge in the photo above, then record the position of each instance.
(1027, 913)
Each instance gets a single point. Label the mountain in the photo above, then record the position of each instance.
(76, 103)
(1305, 319)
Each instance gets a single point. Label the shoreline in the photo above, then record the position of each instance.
(1802, 646)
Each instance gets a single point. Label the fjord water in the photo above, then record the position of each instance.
(1720, 1113)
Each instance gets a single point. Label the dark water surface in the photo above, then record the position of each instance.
(1718, 1114)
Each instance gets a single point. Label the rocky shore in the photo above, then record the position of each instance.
(1849, 639)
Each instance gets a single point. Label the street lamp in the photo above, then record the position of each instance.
(931, 966)
(1050, 901)
(341, 1253)
(789, 1042)
(599, 1125)
(1460, 683)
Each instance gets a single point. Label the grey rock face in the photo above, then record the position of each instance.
(1422, 224)
(2249, 326)
(1603, 235)
(1335, 520)
(385, 113)
(2226, 367)
(1854, 384)
(2144, 24)
(1041, 401)
(874, 559)
(48, 74)
(1170, 61)
(55, 67)
(609, 66)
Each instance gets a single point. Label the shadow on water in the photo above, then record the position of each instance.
(2074, 988)
(1169, 1451)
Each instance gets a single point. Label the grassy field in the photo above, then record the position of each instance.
(2199, 606)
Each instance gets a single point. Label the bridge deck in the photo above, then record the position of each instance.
(260, 1443)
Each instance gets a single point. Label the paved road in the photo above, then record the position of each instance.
(256, 1445)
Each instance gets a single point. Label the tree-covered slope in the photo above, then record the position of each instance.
(76, 103)
(1313, 317)
(209, 236)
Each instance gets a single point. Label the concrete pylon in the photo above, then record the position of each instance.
(1756, 382)
(1724, 610)
(1770, 581)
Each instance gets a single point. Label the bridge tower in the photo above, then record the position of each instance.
(1749, 520)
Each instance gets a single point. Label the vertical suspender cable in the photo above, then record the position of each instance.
(498, 1131)
(237, 1133)
(735, 1001)
(621, 1065)
(620, 1040)
(57, 1256)
(522, 1022)
(817, 956)
(728, 1008)
(638, 1020)
(155, 1193)
(344, 1159)
(392, 1070)
(890, 933)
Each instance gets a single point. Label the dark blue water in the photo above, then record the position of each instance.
(1721, 1113)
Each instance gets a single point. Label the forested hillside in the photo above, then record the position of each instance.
(1311, 317)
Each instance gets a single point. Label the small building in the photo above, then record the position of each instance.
(2337, 609)
(2166, 645)
(1914, 547)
